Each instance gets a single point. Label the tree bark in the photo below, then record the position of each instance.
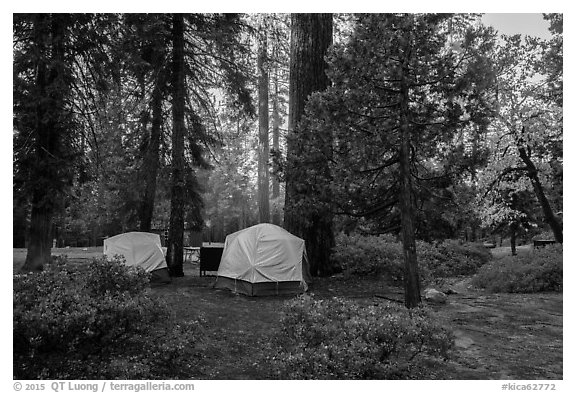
(549, 215)
(263, 144)
(311, 36)
(177, 202)
(514, 225)
(276, 147)
(151, 161)
(50, 85)
(39, 244)
(513, 233)
(411, 277)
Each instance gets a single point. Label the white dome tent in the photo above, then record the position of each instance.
(263, 260)
(141, 249)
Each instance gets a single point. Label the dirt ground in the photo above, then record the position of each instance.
(504, 336)
(497, 336)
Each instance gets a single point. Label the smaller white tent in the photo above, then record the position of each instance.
(141, 249)
(263, 260)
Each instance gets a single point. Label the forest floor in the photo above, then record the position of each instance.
(498, 336)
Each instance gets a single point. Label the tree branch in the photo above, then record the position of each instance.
(505, 172)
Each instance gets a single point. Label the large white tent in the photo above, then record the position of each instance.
(141, 249)
(263, 260)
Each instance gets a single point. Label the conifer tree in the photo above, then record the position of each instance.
(406, 90)
(311, 36)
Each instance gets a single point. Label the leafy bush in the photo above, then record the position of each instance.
(452, 259)
(369, 255)
(106, 275)
(538, 271)
(339, 339)
(382, 255)
(97, 323)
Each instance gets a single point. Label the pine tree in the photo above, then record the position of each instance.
(148, 63)
(311, 36)
(263, 131)
(220, 64)
(174, 257)
(405, 88)
(43, 146)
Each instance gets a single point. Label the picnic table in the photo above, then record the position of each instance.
(543, 243)
(191, 254)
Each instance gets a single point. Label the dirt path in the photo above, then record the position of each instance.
(506, 336)
(497, 336)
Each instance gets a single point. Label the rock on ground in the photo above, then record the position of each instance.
(434, 296)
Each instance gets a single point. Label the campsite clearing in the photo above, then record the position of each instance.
(498, 336)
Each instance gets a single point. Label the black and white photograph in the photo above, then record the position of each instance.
(307, 196)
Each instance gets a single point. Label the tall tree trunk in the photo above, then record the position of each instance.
(263, 144)
(151, 161)
(177, 201)
(311, 36)
(539, 190)
(411, 278)
(39, 244)
(513, 233)
(144, 120)
(276, 149)
(50, 85)
(514, 225)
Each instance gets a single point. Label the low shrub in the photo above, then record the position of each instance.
(340, 339)
(113, 276)
(99, 322)
(538, 271)
(383, 256)
(452, 258)
(369, 256)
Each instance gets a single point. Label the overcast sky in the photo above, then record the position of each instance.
(529, 24)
